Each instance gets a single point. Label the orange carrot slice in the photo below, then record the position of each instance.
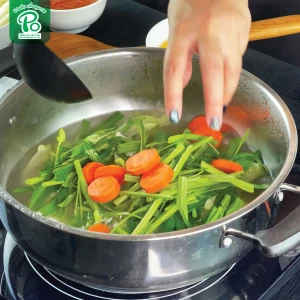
(226, 128)
(104, 189)
(99, 228)
(142, 162)
(120, 179)
(111, 170)
(237, 117)
(204, 130)
(268, 208)
(157, 179)
(200, 121)
(197, 122)
(89, 171)
(226, 166)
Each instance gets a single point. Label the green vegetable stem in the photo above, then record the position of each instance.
(198, 194)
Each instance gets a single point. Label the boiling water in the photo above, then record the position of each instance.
(15, 179)
(67, 216)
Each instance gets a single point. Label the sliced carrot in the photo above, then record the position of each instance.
(260, 114)
(111, 170)
(239, 120)
(120, 179)
(226, 128)
(196, 122)
(99, 228)
(104, 189)
(200, 122)
(204, 130)
(89, 171)
(237, 112)
(226, 166)
(157, 179)
(268, 209)
(254, 113)
(217, 135)
(142, 162)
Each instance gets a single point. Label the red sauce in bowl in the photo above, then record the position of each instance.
(69, 4)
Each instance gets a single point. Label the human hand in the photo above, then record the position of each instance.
(218, 30)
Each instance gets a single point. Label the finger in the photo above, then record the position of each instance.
(188, 71)
(175, 65)
(232, 70)
(212, 72)
(244, 32)
(243, 43)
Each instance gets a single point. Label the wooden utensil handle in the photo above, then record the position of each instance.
(276, 27)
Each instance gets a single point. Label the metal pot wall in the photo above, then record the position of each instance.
(131, 80)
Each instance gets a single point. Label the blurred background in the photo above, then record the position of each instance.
(285, 48)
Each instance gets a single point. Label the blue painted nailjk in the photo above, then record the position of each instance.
(215, 123)
(224, 109)
(174, 118)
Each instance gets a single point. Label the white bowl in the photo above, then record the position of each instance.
(78, 19)
(158, 34)
(4, 36)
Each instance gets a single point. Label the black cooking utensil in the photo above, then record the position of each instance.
(48, 75)
(7, 62)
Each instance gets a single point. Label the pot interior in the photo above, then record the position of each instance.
(131, 81)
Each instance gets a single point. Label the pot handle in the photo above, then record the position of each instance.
(277, 240)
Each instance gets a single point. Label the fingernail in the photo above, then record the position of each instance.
(224, 109)
(174, 118)
(215, 123)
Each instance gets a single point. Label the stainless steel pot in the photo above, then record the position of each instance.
(126, 80)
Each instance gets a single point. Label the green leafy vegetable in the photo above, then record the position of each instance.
(198, 193)
(67, 200)
(182, 198)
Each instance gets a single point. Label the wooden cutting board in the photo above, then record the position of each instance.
(68, 45)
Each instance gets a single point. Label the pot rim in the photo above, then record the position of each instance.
(291, 155)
